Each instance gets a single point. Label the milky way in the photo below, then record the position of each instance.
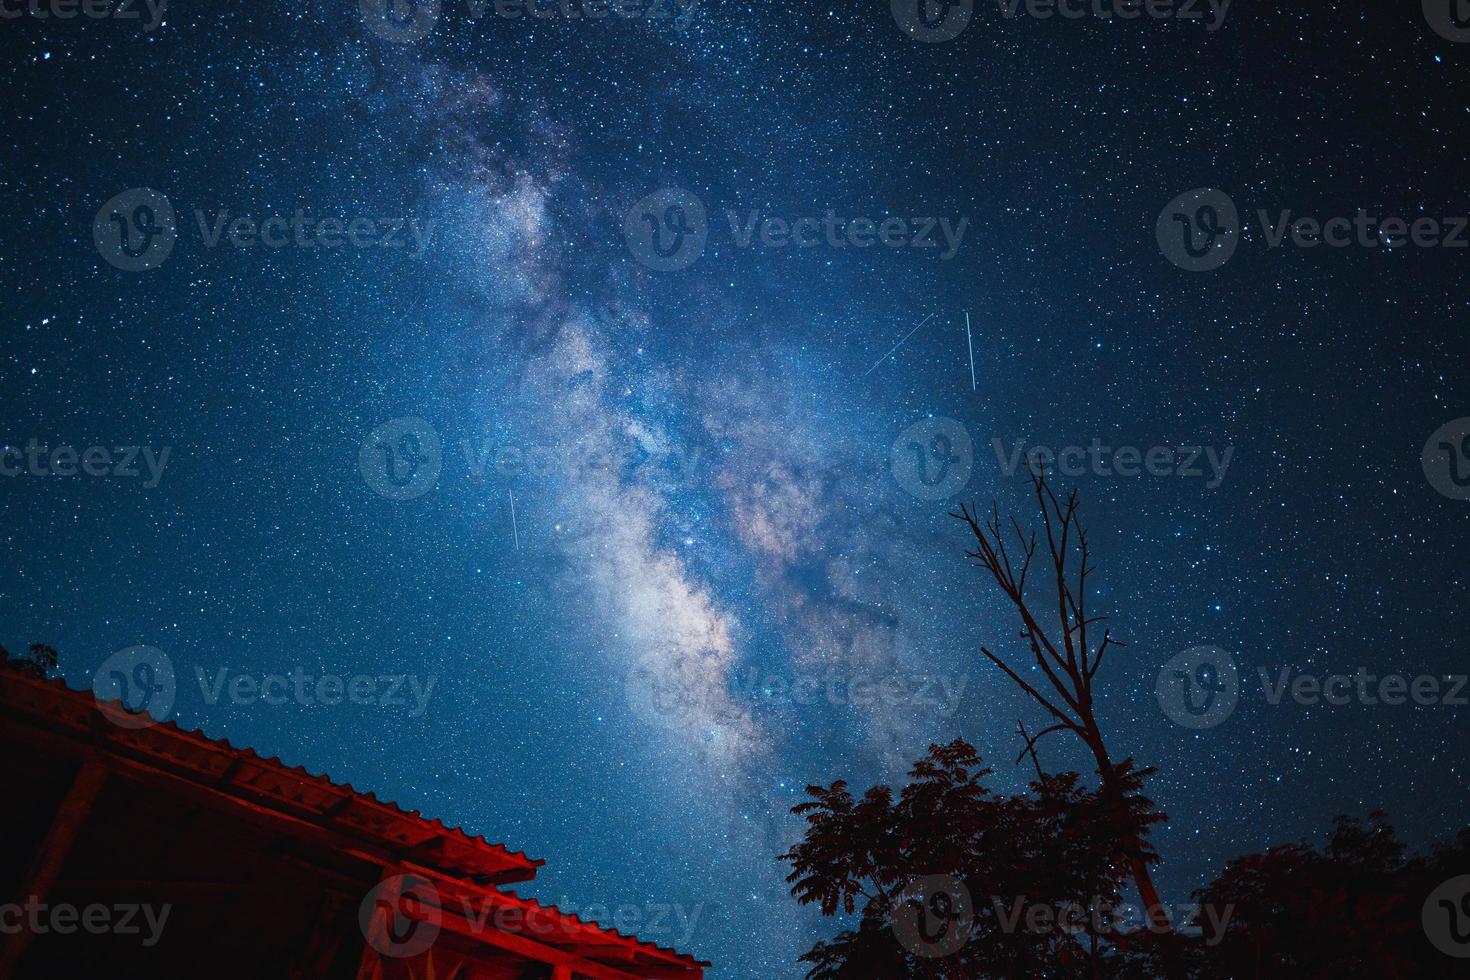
(672, 563)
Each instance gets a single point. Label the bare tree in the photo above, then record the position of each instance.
(1067, 658)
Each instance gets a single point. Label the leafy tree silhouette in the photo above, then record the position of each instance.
(1063, 848)
(40, 660)
(1352, 909)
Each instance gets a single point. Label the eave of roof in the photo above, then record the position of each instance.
(221, 766)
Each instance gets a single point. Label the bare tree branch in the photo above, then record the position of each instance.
(1056, 712)
(1031, 741)
(1070, 667)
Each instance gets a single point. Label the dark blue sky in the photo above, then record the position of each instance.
(713, 513)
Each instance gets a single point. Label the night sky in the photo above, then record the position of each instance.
(665, 495)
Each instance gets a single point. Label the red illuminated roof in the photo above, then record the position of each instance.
(339, 818)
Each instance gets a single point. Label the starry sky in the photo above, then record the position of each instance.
(660, 497)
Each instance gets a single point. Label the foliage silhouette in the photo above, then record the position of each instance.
(39, 661)
(1062, 847)
(1045, 871)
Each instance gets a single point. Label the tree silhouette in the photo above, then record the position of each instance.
(1062, 849)
(40, 660)
(1067, 657)
(1351, 909)
(944, 877)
